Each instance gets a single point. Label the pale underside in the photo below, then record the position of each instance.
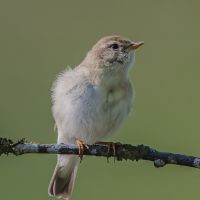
(88, 110)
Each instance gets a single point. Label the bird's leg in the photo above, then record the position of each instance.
(82, 145)
(110, 145)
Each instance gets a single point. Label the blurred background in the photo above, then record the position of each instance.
(38, 39)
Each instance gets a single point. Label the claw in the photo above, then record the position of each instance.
(110, 145)
(81, 144)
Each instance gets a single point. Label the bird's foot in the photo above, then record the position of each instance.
(82, 145)
(111, 148)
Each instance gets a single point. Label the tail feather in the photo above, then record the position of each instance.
(63, 179)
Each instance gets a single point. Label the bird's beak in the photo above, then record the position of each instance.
(135, 45)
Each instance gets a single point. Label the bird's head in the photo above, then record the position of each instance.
(113, 52)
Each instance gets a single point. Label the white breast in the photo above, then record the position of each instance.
(88, 111)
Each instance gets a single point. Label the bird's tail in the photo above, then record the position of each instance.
(62, 181)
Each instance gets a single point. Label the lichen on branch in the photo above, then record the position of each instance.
(117, 150)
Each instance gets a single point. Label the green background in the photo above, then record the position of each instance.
(38, 39)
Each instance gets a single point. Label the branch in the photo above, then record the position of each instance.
(119, 152)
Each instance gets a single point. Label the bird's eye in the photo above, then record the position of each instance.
(114, 46)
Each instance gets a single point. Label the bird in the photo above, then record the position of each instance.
(90, 102)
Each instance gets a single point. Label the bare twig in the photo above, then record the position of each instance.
(122, 151)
